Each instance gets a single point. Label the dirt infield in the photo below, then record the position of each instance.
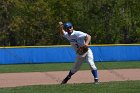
(45, 78)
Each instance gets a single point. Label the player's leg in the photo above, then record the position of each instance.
(67, 78)
(90, 60)
(75, 68)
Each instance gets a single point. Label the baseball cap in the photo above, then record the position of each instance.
(67, 25)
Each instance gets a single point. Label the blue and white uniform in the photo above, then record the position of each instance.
(77, 39)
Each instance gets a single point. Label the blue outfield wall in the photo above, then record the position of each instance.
(54, 54)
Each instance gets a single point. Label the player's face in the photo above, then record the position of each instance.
(69, 29)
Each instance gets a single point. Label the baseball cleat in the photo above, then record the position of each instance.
(96, 81)
(65, 80)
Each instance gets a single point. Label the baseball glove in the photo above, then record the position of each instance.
(81, 50)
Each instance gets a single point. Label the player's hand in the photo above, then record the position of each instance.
(86, 45)
(60, 28)
(60, 24)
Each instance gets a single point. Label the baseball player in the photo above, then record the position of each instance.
(79, 41)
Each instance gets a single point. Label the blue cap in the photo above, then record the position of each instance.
(67, 25)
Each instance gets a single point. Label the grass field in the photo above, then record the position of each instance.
(64, 66)
(109, 87)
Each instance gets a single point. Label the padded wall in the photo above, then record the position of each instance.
(13, 55)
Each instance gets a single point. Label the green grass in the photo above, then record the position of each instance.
(64, 66)
(110, 87)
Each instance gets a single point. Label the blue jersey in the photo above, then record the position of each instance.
(76, 39)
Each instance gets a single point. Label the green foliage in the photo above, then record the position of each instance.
(34, 22)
